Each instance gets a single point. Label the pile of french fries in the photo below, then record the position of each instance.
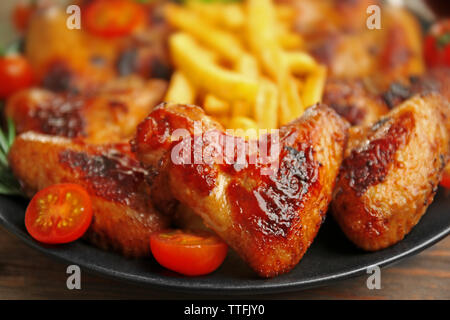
(242, 63)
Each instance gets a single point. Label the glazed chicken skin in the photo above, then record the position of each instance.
(269, 219)
(109, 115)
(123, 217)
(391, 172)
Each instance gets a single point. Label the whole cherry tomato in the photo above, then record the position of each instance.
(113, 18)
(15, 74)
(437, 45)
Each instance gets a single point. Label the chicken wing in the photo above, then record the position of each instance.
(361, 103)
(354, 101)
(391, 172)
(337, 34)
(109, 115)
(269, 219)
(123, 217)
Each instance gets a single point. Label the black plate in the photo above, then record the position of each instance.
(331, 257)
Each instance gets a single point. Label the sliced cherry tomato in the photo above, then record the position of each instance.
(437, 45)
(113, 18)
(59, 214)
(21, 15)
(188, 253)
(445, 182)
(15, 74)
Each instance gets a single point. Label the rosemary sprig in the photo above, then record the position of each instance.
(8, 183)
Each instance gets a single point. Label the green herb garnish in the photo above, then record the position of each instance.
(443, 40)
(8, 183)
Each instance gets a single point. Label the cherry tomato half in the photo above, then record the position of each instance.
(15, 74)
(113, 18)
(188, 253)
(445, 182)
(59, 214)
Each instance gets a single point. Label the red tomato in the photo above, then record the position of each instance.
(113, 18)
(437, 45)
(21, 15)
(445, 182)
(188, 253)
(15, 74)
(59, 214)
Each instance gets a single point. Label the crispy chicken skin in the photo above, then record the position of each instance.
(361, 103)
(352, 100)
(109, 115)
(123, 217)
(270, 220)
(391, 172)
(434, 80)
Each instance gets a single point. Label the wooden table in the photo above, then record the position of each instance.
(27, 274)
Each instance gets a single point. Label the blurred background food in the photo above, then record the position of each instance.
(252, 64)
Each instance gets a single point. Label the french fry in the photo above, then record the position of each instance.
(291, 105)
(290, 40)
(266, 106)
(244, 127)
(301, 62)
(233, 16)
(261, 26)
(262, 37)
(241, 108)
(285, 12)
(314, 85)
(242, 89)
(222, 42)
(229, 16)
(215, 106)
(248, 66)
(189, 57)
(180, 89)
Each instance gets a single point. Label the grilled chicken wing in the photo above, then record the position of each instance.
(434, 80)
(361, 103)
(109, 115)
(337, 34)
(354, 101)
(123, 217)
(391, 172)
(269, 219)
